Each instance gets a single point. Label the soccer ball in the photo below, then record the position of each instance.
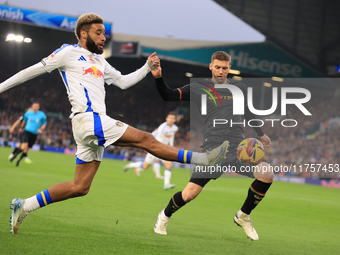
(250, 151)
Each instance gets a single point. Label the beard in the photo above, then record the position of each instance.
(90, 44)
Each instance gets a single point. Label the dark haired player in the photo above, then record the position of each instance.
(219, 66)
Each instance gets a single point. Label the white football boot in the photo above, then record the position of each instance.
(18, 214)
(243, 220)
(217, 155)
(161, 224)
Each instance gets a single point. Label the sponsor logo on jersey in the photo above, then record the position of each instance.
(93, 71)
(81, 58)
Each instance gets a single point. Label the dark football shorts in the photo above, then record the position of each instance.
(202, 175)
(28, 137)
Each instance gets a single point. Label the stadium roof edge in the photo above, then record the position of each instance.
(171, 43)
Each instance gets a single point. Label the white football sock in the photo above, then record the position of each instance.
(157, 169)
(31, 204)
(137, 164)
(167, 176)
(199, 158)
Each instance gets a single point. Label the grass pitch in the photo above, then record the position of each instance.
(118, 214)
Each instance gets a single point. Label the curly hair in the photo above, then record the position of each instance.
(85, 21)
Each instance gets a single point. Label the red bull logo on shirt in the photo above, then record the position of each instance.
(93, 71)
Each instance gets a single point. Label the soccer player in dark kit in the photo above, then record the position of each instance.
(219, 66)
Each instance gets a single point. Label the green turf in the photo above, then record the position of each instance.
(118, 214)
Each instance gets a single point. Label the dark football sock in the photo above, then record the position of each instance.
(15, 153)
(22, 156)
(175, 203)
(256, 193)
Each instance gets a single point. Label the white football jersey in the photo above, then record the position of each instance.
(84, 74)
(166, 134)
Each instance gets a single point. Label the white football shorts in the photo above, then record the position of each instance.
(93, 133)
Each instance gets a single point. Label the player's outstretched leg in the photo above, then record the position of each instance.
(136, 138)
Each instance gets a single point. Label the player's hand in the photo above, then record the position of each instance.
(153, 61)
(157, 73)
(20, 130)
(40, 131)
(266, 141)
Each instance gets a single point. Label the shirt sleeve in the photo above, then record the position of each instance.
(25, 117)
(169, 94)
(57, 58)
(44, 119)
(113, 76)
(24, 75)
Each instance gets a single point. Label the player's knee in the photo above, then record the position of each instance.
(188, 196)
(147, 139)
(264, 171)
(80, 191)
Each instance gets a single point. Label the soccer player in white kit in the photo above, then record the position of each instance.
(165, 133)
(84, 73)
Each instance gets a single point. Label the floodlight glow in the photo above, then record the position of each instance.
(19, 38)
(238, 78)
(279, 79)
(27, 40)
(187, 74)
(10, 37)
(237, 72)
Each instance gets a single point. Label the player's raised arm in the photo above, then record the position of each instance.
(16, 123)
(22, 76)
(167, 93)
(46, 65)
(112, 76)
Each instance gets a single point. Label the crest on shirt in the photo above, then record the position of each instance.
(119, 124)
(98, 60)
